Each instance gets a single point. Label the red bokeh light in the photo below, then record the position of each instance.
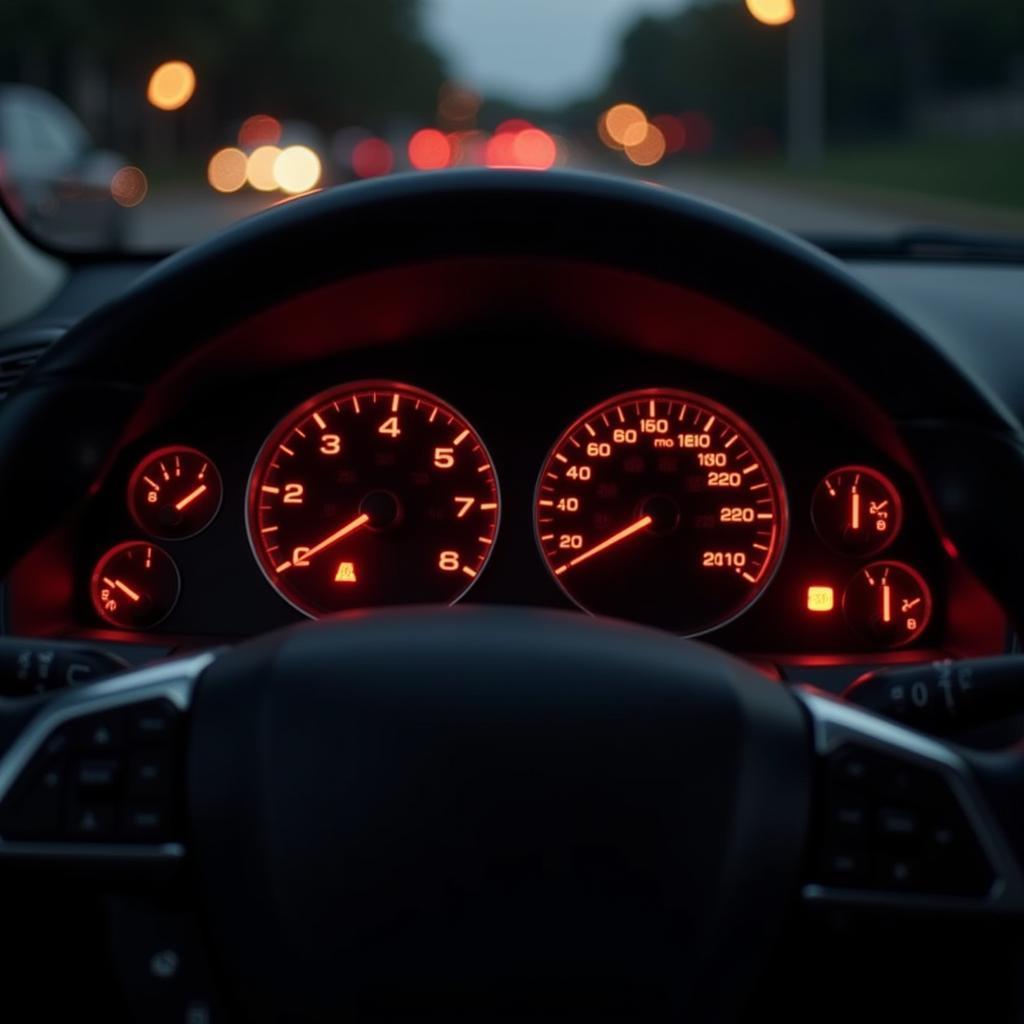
(535, 149)
(700, 131)
(259, 130)
(372, 158)
(429, 150)
(529, 149)
(673, 129)
(513, 124)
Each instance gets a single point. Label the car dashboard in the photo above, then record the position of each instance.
(511, 432)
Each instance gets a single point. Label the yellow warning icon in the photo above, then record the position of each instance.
(346, 573)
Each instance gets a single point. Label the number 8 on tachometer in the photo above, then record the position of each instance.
(663, 507)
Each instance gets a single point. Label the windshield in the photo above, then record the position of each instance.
(149, 126)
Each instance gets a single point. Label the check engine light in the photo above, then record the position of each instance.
(821, 599)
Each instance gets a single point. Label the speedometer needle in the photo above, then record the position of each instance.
(348, 528)
(640, 524)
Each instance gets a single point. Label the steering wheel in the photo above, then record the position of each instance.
(506, 813)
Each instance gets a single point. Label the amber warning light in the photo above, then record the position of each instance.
(820, 599)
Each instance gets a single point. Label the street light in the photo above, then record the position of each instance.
(805, 75)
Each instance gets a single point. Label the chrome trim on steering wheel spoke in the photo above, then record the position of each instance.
(172, 680)
(836, 724)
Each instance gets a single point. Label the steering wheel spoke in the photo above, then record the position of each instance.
(94, 776)
(901, 821)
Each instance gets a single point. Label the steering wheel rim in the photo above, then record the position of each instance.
(80, 397)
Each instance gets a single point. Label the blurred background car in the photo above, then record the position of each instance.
(52, 174)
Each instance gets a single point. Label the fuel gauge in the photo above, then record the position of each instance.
(857, 511)
(135, 585)
(174, 493)
(888, 602)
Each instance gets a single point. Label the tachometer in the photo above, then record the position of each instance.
(375, 493)
(663, 507)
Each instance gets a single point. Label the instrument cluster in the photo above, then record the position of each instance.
(660, 505)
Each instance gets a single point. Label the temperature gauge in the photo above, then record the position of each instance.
(888, 602)
(135, 585)
(174, 493)
(857, 511)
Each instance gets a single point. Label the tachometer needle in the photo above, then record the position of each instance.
(348, 528)
(189, 498)
(640, 524)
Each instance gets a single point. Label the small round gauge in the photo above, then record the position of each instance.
(663, 507)
(888, 602)
(374, 493)
(857, 511)
(174, 493)
(135, 585)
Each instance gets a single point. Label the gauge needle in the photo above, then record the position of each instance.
(189, 498)
(328, 541)
(855, 509)
(123, 587)
(640, 524)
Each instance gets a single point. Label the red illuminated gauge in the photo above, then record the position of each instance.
(135, 585)
(372, 494)
(888, 602)
(857, 511)
(663, 507)
(174, 493)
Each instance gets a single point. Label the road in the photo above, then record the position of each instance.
(170, 218)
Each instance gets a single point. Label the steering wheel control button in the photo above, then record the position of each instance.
(891, 825)
(117, 786)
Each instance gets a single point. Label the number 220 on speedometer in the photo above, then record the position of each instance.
(663, 507)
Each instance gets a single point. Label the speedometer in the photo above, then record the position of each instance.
(372, 494)
(663, 507)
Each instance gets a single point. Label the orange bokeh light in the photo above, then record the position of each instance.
(227, 169)
(429, 150)
(622, 120)
(171, 85)
(772, 12)
(260, 168)
(259, 130)
(649, 149)
(128, 186)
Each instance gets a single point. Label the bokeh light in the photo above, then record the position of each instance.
(297, 169)
(259, 130)
(171, 85)
(372, 158)
(457, 106)
(674, 131)
(534, 149)
(429, 150)
(128, 186)
(226, 170)
(647, 151)
(772, 12)
(260, 168)
(625, 120)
